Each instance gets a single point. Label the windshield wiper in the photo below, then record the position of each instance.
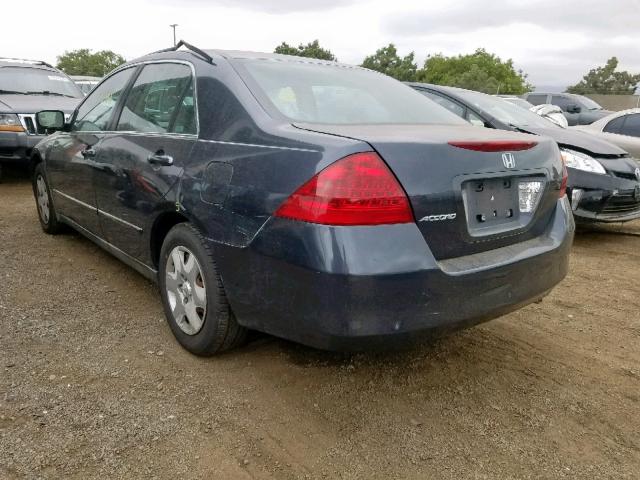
(47, 92)
(11, 92)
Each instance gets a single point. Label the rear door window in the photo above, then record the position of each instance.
(95, 114)
(631, 126)
(614, 125)
(160, 101)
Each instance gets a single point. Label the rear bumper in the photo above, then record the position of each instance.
(17, 146)
(350, 288)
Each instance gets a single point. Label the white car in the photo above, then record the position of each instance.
(620, 128)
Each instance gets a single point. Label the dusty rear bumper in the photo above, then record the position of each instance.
(351, 288)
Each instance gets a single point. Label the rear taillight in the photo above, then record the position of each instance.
(565, 178)
(494, 145)
(356, 190)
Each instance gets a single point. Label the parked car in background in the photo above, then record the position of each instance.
(604, 182)
(552, 113)
(518, 101)
(26, 87)
(85, 83)
(620, 128)
(578, 109)
(315, 201)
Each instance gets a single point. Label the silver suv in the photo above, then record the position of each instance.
(27, 87)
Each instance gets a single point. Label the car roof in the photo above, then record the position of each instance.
(600, 123)
(245, 54)
(184, 53)
(628, 111)
(453, 91)
(432, 86)
(565, 94)
(21, 62)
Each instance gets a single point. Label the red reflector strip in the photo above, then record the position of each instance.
(494, 145)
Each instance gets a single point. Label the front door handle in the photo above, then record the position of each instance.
(88, 152)
(159, 158)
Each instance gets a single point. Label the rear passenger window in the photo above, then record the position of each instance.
(537, 99)
(614, 125)
(631, 126)
(160, 101)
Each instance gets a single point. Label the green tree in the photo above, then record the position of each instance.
(481, 71)
(386, 60)
(310, 50)
(606, 80)
(83, 62)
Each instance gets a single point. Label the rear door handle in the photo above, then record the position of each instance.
(88, 153)
(159, 158)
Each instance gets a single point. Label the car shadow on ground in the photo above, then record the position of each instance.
(14, 174)
(302, 355)
(587, 232)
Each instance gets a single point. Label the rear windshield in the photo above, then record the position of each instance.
(334, 94)
(34, 81)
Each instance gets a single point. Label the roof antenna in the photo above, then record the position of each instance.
(188, 46)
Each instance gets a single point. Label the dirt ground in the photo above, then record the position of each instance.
(93, 385)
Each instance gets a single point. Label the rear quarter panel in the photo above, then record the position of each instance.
(245, 164)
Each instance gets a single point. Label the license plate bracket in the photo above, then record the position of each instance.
(491, 203)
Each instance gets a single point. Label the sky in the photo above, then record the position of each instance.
(555, 42)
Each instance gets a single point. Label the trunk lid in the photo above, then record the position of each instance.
(452, 188)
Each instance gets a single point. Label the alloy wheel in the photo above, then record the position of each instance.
(186, 290)
(43, 199)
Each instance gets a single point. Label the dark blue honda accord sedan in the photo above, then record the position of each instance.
(316, 201)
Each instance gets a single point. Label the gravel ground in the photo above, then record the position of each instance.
(93, 385)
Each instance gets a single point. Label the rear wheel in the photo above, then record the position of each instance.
(193, 296)
(46, 211)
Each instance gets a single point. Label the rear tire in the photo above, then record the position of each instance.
(46, 211)
(193, 296)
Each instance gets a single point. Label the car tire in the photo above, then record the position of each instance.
(46, 211)
(193, 296)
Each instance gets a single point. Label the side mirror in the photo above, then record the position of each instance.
(573, 108)
(50, 120)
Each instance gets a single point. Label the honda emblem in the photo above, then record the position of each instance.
(509, 160)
